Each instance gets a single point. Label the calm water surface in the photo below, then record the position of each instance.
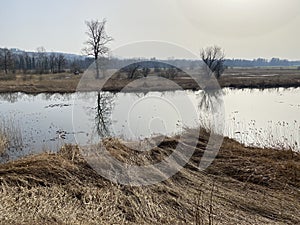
(44, 122)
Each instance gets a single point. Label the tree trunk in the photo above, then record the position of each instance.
(97, 70)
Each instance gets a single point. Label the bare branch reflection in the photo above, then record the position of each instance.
(103, 113)
(209, 105)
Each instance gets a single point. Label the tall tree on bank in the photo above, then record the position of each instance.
(214, 58)
(96, 45)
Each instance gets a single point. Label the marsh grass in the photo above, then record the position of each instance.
(242, 186)
(277, 135)
(3, 144)
(10, 135)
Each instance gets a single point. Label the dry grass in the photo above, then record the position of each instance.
(66, 82)
(10, 134)
(45, 83)
(261, 78)
(272, 168)
(242, 186)
(3, 144)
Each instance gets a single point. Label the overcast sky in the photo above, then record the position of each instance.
(244, 28)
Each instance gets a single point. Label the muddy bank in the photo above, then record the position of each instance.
(242, 186)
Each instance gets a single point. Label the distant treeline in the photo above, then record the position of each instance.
(42, 62)
(193, 64)
(154, 63)
(260, 62)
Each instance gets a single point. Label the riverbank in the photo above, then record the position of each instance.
(234, 78)
(242, 186)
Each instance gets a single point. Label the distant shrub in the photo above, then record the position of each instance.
(169, 73)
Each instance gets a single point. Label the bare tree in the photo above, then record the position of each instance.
(146, 71)
(52, 62)
(214, 58)
(97, 41)
(1, 59)
(75, 66)
(42, 60)
(171, 72)
(7, 60)
(61, 62)
(132, 70)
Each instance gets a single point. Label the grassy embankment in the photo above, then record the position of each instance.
(242, 186)
(236, 78)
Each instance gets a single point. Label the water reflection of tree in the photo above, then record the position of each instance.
(10, 97)
(103, 113)
(209, 100)
(210, 104)
(56, 96)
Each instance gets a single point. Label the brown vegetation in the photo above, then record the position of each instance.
(261, 78)
(3, 144)
(242, 186)
(34, 84)
(235, 78)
